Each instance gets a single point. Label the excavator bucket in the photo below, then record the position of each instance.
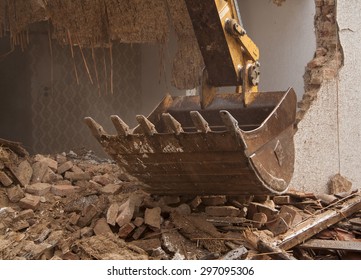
(227, 148)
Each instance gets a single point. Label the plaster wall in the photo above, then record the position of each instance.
(328, 138)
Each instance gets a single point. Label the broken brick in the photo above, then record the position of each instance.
(339, 184)
(5, 179)
(89, 213)
(126, 213)
(139, 231)
(30, 202)
(77, 176)
(111, 189)
(112, 214)
(50, 177)
(52, 164)
(102, 227)
(195, 202)
(282, 199)
(25, 215)
(20, 225)
(103, 179)
(38, 188)
(138, 221)
(15, 193)
(280, 224)
(65, 167)
(259, 219)
(126, 230)
(295, 217)
(62, 190)
(39, 171)
(74, 218)
(23, 172)
(222, 211)
(152, 217)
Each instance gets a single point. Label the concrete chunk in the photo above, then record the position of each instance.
(38, 188)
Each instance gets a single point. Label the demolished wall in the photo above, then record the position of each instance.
(327, 137)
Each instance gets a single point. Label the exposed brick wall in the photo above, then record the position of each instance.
(328, 57)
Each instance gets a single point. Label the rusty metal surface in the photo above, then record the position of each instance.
(230, 149)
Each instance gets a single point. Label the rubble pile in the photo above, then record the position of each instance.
(70, 206)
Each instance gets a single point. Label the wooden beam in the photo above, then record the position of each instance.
(332, 245)
(319, 222)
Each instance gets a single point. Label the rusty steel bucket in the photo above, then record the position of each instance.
(226, 148)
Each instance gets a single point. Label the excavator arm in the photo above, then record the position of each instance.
(213, 143)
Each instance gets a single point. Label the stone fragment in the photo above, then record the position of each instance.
(126, 230)
(77, 176)
(65, 167)
(62, 190)
(60, 159)
(102, 227)
(222, 211)
(89, 213)
(152, 217)
(23, 172)
(126, 212)
(111, 189)
(39, 170)
(76, 169)
(112, 213)
(15, 193)
(214, 200)
(5, 180)
(339, 184)
(30, 202)
(38, 188)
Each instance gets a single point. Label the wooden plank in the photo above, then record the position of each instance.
(332, 245)
(317, 223)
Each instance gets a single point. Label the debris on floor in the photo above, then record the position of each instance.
(72, 207)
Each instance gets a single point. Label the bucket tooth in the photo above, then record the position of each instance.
(172, 124)
(199, 122)
(229, 121)
(147, 126)
(95, 128)
(121, 127)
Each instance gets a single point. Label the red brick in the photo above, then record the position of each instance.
(126, 230)
(38, 189)
(62, 190)
(30, 202)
